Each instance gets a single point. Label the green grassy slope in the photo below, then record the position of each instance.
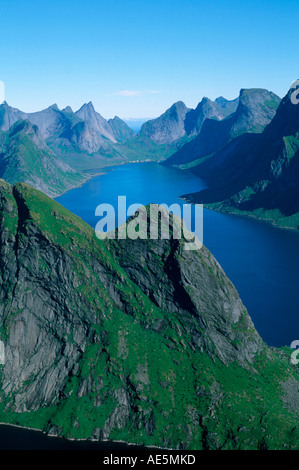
(127, 368)
(26, 158)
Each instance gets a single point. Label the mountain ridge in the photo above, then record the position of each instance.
(91, 353)
(25, 156)
(255, 109)
(257, 175)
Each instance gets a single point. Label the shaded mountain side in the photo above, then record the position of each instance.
(208, 109)
(227, 106)
(24, 156)
(85, 130)
(256, 108)
(85, 140)
(9, 116)
(121, 131)
(141, 341)
(258, 174)
(178, 122)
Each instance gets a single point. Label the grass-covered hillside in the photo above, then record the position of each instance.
(140, 341)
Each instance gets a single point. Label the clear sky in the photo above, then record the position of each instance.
(134, 58)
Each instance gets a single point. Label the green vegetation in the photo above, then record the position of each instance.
(132, 370)
(23, 160)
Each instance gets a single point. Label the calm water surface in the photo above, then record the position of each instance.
(262, 261)
(14, 438)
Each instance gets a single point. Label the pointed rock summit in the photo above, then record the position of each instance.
(167, 128)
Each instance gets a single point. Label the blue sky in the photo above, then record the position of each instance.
(135, 58)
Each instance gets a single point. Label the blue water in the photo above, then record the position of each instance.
(262, 261)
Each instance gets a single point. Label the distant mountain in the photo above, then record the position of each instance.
(51, 121)
(208, 109)
(179, 122)
(84, 130)
(136, 123)
(24, 156)
(167, 128)
(96, 126)
(121, 131)
(227, 106)
(258, 174)
(84, 140)
(255, 109)
(9, 115)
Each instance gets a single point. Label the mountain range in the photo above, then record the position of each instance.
(99, 344)
(245, 149)
(83, 131)
(83, 142)
(255, 108)
(25, 156)
(257, 173)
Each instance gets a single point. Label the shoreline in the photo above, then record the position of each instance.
(104, 170)
(72, 439)
(245, 216)
(101, 172)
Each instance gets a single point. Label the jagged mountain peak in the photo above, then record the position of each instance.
(178, 105)
(55, 107)
(221, 100)
(257, 173)
(116, 119)
(167, 128)
(120, 129)
(206, 109)
(87, 107)
(24, 126)
(256, 109)
(216, 126)
(68, 110)
(205, 99)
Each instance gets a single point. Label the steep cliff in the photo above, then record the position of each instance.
(257, 174)
(25, 156)
(255, 109)
(135, 340)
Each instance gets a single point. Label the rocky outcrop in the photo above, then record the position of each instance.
(255, 109)
(167, 128)
(25, 156)
(121, 131)
(208, 109)
(138, 341)
(258, 174)
(85, 130)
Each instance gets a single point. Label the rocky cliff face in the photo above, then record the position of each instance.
(84, 130)
(60, 144)
(9, 116)
(141, 341)
(208, 109)
(121, 131)
(256, 108)
(25, 156)
(167, 128)
(179, 122)
(258, 174)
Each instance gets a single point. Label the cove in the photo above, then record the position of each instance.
(261, 260)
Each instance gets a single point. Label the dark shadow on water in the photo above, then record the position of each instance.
(14, 438)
